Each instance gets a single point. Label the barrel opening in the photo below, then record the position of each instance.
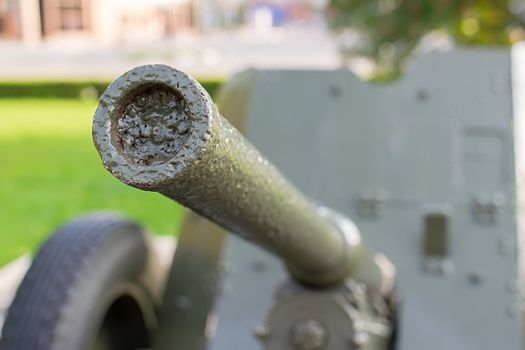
(152, 124)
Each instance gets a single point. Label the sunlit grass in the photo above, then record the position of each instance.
(45, 118)
(50, 172)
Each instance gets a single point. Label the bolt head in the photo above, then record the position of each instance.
(309, 334)
(360, 339)
(261, 332)
(475, 278)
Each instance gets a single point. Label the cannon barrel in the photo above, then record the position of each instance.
(157, 129)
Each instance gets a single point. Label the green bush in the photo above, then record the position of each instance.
(70, 89)
(389, 31)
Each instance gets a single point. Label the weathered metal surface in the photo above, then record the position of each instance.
(158, 130)
(345, 317)
(351, 315)
(184, 318)
(198, 262)
(436, 141)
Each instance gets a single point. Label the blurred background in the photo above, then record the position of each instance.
(57, 56)
(100, 38)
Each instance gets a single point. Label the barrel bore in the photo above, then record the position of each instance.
(158, 130)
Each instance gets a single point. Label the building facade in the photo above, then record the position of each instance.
(107, 21)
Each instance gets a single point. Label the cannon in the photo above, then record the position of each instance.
(268, 257)
(157, 129)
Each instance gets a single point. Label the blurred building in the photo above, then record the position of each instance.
(279, 12)
(107, 21)
(256, 14)
(119, 21)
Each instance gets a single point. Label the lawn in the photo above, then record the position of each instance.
(50, 172)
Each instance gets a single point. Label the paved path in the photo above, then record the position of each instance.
(10, 276)
(218, 54)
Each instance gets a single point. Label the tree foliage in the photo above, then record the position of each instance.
(387, 32)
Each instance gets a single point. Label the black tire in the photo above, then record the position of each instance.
(92, 285)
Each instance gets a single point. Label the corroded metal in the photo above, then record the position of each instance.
(158, 130)
(347, 316)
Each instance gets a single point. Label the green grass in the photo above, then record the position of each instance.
(50, 172)
(71, 88)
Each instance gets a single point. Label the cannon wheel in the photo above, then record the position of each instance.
(91, 286)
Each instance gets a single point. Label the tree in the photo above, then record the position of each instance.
(387, 32)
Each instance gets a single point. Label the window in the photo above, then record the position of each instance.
(70, 14)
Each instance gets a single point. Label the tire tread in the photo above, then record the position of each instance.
(36, 308)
